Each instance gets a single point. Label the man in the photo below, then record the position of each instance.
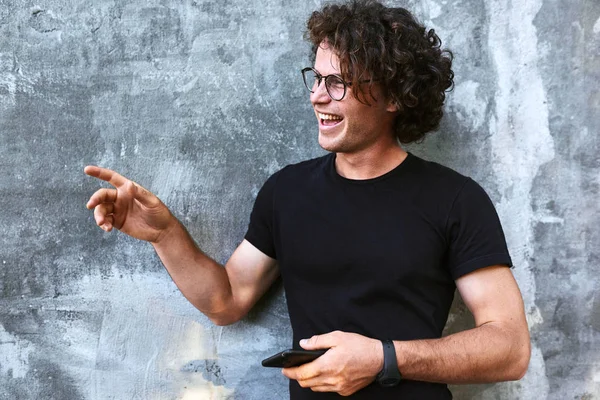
(371, 241)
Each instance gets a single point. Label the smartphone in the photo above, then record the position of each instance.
(292, 358)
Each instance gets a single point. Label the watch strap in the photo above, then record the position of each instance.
(390, 375)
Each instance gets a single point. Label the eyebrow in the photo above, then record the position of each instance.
(324, 75)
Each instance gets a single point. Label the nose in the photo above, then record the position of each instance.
(320, 95)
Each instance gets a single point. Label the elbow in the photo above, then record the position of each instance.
(520, 362)
(224, 318)
(523, 364)
(222, 322)
(222, 312)
(518, 370)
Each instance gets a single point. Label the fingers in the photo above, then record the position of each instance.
(321, 388)
(140, 193)
(302, 372)
(108, 224)
(106, 175)
(320, 382)
(325, 341)
(103, 216)
(328, 384)
(102, 196)
(324, 388)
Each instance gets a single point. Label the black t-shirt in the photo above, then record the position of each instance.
(377, 257)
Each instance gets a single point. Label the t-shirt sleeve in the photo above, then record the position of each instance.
(475, 235)
(260, 228)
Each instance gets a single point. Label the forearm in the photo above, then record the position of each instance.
(488, 353)
(203, 281)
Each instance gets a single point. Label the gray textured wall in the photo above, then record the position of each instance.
(200, 101)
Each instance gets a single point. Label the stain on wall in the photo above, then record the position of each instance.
(200, 102)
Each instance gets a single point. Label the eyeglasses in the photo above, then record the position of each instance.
(334, 84)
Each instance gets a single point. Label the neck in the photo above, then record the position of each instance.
(370, 163)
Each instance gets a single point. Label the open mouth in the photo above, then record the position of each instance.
(329, 119)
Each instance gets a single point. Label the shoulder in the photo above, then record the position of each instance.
(304, 169)
(433, 168)
(309, 166)
(437, 177)
(445, 189)
(292, 174)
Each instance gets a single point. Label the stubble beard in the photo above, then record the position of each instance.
(345, 142)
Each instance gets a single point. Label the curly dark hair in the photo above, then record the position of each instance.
(388, 46)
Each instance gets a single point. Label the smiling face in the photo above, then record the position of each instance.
(349, 126)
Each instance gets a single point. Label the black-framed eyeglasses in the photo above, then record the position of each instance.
(334, 84)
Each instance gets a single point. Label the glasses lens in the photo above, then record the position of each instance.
(335, 87)
(310, 79)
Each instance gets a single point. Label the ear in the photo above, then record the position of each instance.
(392, 106)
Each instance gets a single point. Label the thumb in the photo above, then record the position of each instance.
(325, 341)
(144, 196)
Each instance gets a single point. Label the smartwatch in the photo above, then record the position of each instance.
(389, 376)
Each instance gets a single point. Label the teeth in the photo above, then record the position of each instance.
(330, 117)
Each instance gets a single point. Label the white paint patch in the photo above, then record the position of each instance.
(55, 35)
(597, 27)
(8, 84)
(149, 333)
(107, 104)
(188, 86)
(172, 177)
(8, 81)
(209, 392)
(431, 9)
(435, 10)
(549, 219)
(14, 354)
(471, 109)
(150, 336)
(534, 317)
(521, 144)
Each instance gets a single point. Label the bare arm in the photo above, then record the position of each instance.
(225, 295)
(497, 349)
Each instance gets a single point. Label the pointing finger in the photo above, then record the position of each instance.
(102, 196)
(106, 175)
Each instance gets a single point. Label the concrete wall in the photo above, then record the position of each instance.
(200, 101)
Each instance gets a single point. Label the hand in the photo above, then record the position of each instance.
(128, 207)
(351, 363)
